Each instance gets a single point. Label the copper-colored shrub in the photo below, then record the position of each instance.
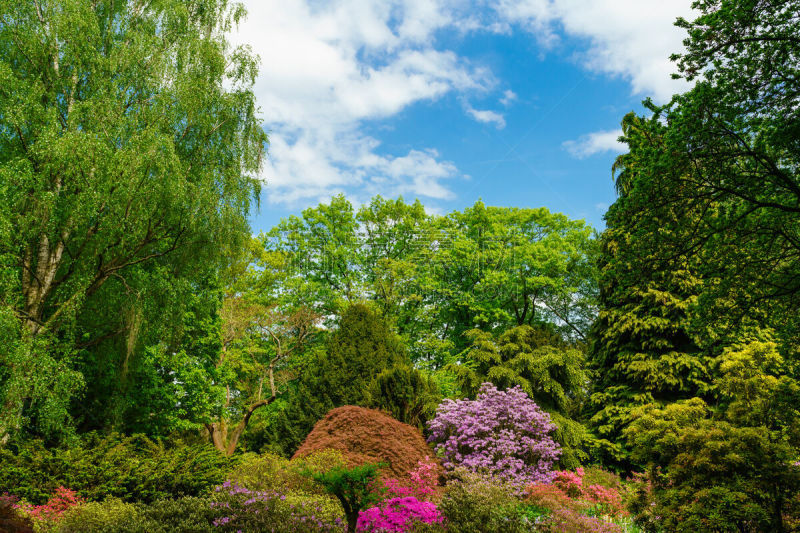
(368, 436)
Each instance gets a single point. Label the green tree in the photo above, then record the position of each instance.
(732, 467)
(358, 351)
(353, 487)
(129, 146)
(547, 368)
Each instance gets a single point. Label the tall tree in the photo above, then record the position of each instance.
(361, 348)
(129, 145)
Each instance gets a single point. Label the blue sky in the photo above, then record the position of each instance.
(515, 103)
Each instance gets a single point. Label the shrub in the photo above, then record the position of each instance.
(242, 509)
(476, 503)
(130, 468)
(500, 433)
(422, 484)
(272, 472)
(182, 515)
(355, 488)
(47, 516)
(398, 515)
(111, 516)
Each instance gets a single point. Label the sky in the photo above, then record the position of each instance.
(515, 103)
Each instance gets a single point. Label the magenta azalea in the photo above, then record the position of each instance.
(398, 515)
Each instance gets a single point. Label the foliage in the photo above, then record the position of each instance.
(537, 359)
(361, 348)
(406, 393)
(11, 520)
(129, 149)
(437, 277)
(476, 503)
(355, 488)
(47, 516)
(732, 467)
(184, 515)
(243, 509)
(422, 483)
(500, 433)
(266, 472)
(131, 468)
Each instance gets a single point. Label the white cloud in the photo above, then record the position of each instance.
(508, 98)
(486, 116)
(595, 143)
(330, 68)
(326, 70)
(628, 38)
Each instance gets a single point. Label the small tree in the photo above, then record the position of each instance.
(355, 488)
(500, 433)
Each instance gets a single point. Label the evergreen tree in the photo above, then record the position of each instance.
(360, 349)
(541, 363)
(643, 349)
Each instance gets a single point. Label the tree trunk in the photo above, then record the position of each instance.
(224, 440)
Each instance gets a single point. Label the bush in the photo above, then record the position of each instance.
(130, 468)
(10, 519)
(272, 472)
(242, 509)
(475, 503)
(398, 515)
(47, 516)
(500, 433)
(183, 515)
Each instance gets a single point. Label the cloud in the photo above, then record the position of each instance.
(595, 143)
(632, 39)
(328, 69)
(486, 116)
(508, 98)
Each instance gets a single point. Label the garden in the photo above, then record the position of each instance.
(369, 364)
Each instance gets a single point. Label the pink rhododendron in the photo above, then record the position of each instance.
(500, 433)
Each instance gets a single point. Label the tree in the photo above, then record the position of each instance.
(434, 277)
(726, 151)
(545, 367)
(362, 347)
(731, 467)
(258, 342)
(353, 487)
(129, 148)
(644, 348)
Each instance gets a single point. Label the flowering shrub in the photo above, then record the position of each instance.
(398, 515)
(500, 433)
(570, 503)
(47, 515)
(10, 520)
(242, 509)
(422, 486)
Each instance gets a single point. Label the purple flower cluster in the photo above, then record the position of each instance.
(398, 515)
(500, 433)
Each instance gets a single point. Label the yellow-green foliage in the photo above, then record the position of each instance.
(99, 517)
(273, 472)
